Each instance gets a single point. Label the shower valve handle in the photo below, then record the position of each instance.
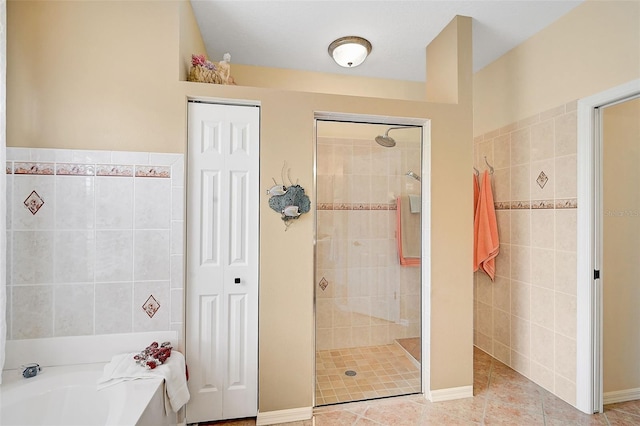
(30, 370)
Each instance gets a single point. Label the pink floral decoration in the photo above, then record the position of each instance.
(200, 60)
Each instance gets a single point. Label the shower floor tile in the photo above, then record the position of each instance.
(380, 371)
(412, 345)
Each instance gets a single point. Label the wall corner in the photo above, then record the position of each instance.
(449, 64)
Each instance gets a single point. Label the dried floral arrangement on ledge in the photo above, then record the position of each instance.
(204, 71)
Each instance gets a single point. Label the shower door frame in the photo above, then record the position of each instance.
(425, 260)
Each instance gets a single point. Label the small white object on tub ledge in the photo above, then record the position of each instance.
(123, 367)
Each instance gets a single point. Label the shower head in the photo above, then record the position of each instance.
(413, 175)
(386, 140)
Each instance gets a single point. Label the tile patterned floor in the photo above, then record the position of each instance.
(381, 371)
(502, 396)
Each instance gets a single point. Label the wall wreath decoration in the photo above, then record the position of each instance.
(290, 201)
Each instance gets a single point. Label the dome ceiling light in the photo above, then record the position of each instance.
(349, 51)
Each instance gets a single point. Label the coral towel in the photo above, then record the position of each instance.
(407, 233)
(486, 242)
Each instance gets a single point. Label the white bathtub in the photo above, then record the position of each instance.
(68, 395)
(65, 391)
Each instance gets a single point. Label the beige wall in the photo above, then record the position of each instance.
(621, 244)
(442, 67)
(451, 247)
(594, 47)
(525, 121)
(127, 97)
(338, 84)
(93, 75)
(191, 42)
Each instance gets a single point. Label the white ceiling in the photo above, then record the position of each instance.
(295, 34)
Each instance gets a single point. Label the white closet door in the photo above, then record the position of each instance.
(222, 261)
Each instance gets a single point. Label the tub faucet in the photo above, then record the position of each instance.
(30, 370)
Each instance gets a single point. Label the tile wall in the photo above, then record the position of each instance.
(94, 242)
(363, 296)
(527, 317)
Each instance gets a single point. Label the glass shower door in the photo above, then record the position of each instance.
(368, 311)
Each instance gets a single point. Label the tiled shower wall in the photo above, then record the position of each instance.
(363, 296)
(527, 317)
(95, 242)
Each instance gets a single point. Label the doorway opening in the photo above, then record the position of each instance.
(369, 286)
(593, 272)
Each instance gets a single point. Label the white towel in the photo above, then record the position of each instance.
(415, 201)
(123, 367)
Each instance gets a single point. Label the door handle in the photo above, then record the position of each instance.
(236, 280)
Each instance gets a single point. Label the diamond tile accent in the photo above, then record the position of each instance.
(151, 306)
(542, 180)
(323, 284)
(33, 202)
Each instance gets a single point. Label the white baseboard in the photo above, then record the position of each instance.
(448, 394)
(284, 416)
(621, 396)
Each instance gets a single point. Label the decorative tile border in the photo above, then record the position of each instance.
(153, 171)
(114, 170)
(520, 205)
(502, 205)
(33, 168)
(570, 203)
(82, 169)
(382, 206)
(357, 206)
(542, 204)
(70, 169)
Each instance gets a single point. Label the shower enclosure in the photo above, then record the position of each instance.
(367, 280)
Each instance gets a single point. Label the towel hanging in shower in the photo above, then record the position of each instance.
(407, 233)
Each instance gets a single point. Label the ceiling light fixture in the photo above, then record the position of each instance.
(349, 51)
